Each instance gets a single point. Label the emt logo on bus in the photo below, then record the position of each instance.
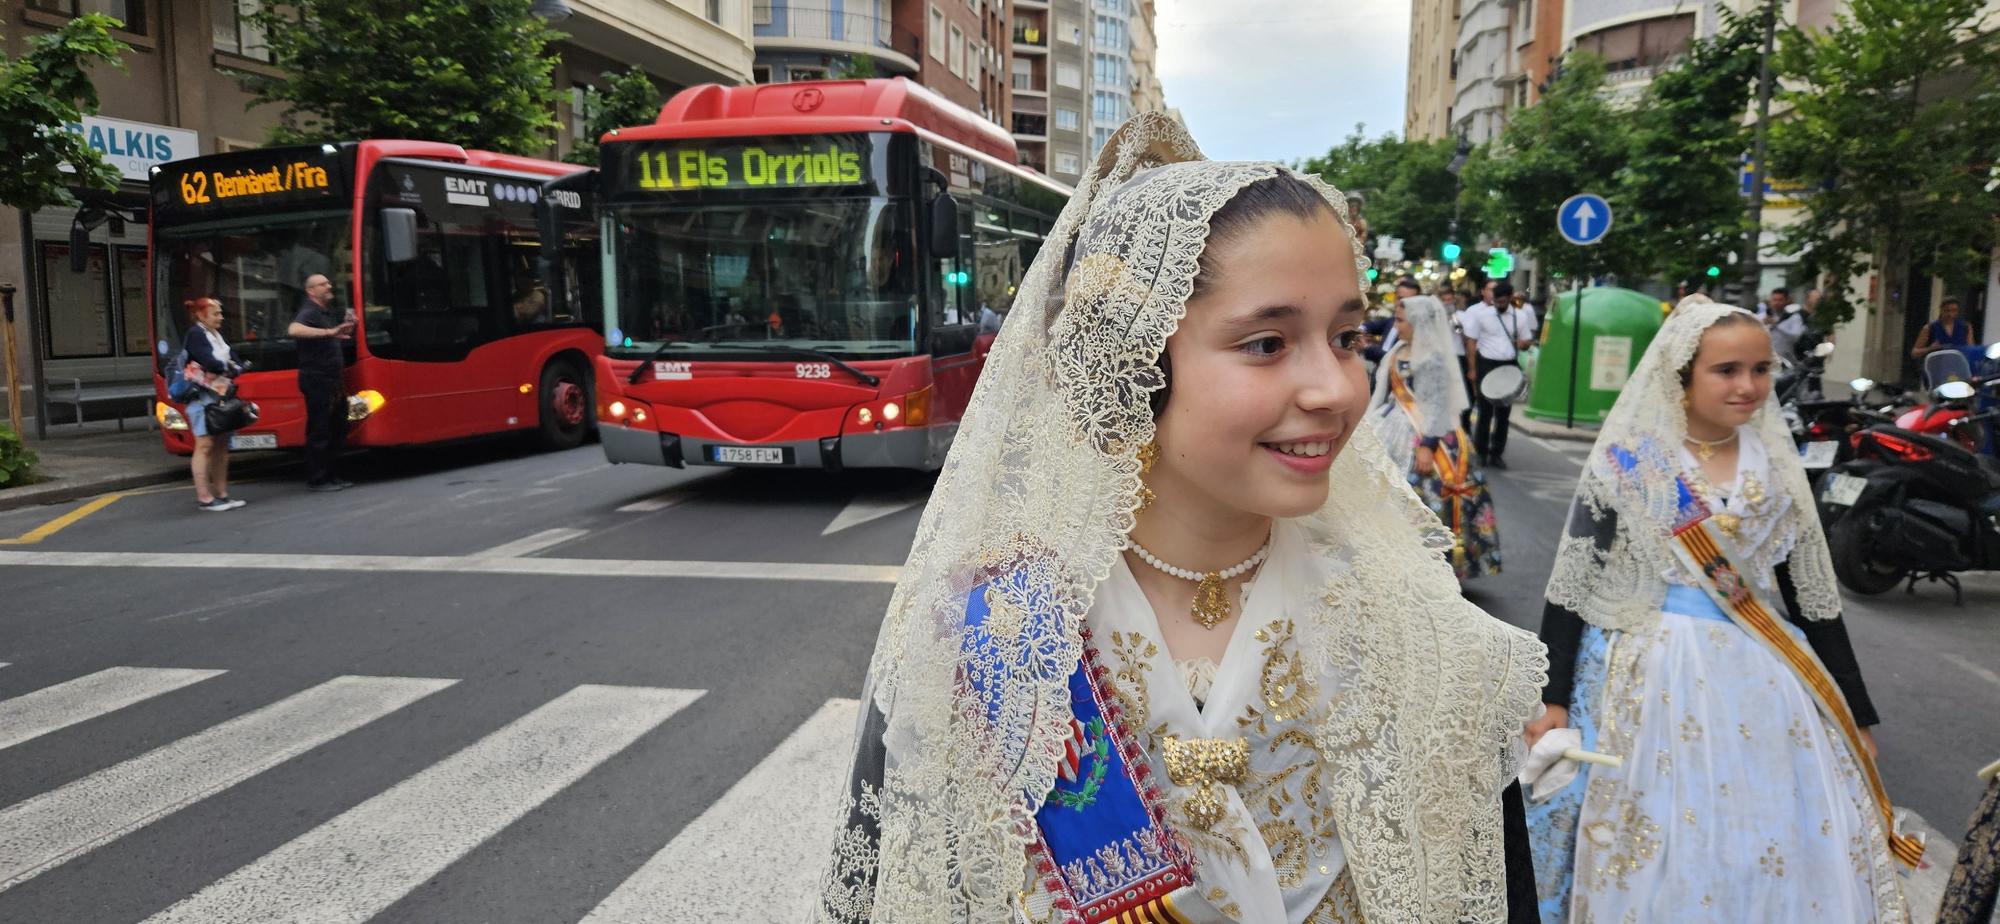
(755, 166)
(201, 187)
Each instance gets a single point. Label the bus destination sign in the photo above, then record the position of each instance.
(276, 178)
(773, 163)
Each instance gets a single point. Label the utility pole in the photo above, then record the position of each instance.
(13, 373)
(1753, 271)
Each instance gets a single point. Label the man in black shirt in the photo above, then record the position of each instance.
(318, 333)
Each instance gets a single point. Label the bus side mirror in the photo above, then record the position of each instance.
(399, 235)
(944, 226)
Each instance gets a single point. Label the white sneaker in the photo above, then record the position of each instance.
(214, 506)
(233, 502)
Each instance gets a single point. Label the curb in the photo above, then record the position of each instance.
(59, 491)
(1553, 431)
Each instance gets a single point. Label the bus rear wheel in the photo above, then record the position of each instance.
(565, 406)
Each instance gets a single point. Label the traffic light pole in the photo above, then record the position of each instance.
(1753, 271)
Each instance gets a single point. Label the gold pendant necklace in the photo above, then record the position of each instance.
(1211, 598)
(1705, 449)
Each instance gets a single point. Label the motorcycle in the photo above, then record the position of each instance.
(1914, 505)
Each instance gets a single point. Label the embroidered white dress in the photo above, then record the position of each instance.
(1275, 855)
(1737, 800)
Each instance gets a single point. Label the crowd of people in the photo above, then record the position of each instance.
(1181, 637)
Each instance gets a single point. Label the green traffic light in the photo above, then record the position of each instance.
(1451, 251)
(1372, 273)
(1714, 271)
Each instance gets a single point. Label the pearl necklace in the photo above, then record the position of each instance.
(1211, 605)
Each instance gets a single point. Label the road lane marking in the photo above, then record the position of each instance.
(869, 508)
(756, 853)
(204, 611)
(62, 522)
(33, 715)
(1982, 673)
(467, 564)
(658, 502)
(64, 823)
(350, 868)
(528, 545)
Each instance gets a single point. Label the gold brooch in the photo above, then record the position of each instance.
(1199, 764)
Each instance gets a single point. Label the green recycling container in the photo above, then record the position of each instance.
(1618, 324)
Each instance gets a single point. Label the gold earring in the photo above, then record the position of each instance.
(1148, 454)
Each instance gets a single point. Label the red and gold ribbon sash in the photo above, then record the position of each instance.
(1705, 561)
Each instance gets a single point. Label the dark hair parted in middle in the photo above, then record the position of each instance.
(1283, 194)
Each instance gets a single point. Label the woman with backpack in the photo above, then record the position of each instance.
(208, 372)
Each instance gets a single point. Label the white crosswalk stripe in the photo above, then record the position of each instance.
(754, 854)
(33, 715)
(352, 867)
(63, 823)
(774, 824)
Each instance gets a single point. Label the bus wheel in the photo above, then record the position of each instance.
(565, 406)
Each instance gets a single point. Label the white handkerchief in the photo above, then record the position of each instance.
(1546, 772)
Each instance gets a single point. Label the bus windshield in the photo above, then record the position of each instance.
(257, 267)
(837, 275)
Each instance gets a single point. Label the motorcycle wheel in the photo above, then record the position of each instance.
(1858, 572)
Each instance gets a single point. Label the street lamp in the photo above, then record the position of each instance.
(551, 10)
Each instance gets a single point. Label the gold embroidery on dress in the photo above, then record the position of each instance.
(1340, 906)
(1219, 897)
(1772, 862)
(1287, 696)
(1199, 764)
(1134, 652)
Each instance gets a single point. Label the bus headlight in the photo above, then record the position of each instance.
(169, 418)
(617, 409)
(363, 403)
(891, 411)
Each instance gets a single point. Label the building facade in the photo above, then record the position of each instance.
(1485, 55)
(179, 95)
(1049, 78)
(1433, 76)
(820, 39)
(964, 49)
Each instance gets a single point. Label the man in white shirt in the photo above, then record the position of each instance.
(1495, 333)
(1455, 310)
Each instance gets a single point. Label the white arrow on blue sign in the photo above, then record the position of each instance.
(1584, 218)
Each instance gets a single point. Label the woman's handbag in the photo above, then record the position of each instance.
(229, 413)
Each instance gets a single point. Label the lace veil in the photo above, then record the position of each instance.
(1434, 379)
(967, 726)
(1612, 562)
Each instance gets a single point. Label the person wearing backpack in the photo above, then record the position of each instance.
(208, 369)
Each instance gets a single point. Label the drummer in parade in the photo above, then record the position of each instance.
(1496, 330)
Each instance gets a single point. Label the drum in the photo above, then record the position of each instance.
(1504, 385)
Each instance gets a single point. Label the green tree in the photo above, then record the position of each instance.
(41, 93)
(471, 72)
(1573, 141)
(1411, 195)
(1894, 115)
(858, 67)
(1688, 138)
(632, 100)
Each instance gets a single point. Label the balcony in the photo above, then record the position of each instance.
(1031, 4)
(818, 29)
(1032, 40)
(1031, 105)
(1031, 126)
(1026, 83)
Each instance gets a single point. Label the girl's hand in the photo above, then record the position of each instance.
(1552, 717)
(1424, 462)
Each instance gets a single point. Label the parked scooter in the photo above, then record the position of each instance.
(1914, 505)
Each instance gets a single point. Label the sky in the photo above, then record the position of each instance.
(1283, 79)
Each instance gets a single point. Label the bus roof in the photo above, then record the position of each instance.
(811, 106)
(374, 150)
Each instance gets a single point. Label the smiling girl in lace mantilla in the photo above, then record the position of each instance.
(1180, 375)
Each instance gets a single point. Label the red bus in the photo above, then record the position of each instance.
(473, 277)
(796, 274)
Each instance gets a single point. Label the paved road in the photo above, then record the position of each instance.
(492, 686)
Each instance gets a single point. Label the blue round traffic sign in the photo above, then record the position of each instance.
(1583, 219)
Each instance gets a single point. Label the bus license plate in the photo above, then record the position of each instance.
(750, 455)
(254, 441)
(1842, 490)
(1819, 454)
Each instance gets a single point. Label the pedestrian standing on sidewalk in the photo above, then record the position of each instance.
(1174, 639)
(1948, 332)
(319, 333)
(1694, 630)
(210, 369)
(1495, 333)
(1415, 411)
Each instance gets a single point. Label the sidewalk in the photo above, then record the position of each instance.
(1552, 431)
(96, 458)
